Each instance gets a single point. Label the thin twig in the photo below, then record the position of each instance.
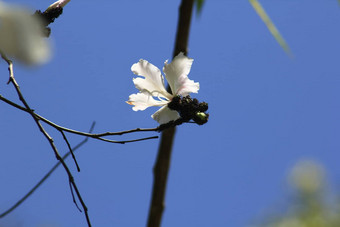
(162, 164)
(46, 135)
(98, 135)
(94, 136)
(44, 178)
(70, 149)
(127, 141)
(73, 198)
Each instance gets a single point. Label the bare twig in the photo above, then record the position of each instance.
(99, 135)
(94, 136)
(70, 149)
(128, 141)
(73, 198)
(162, 164)
(47, 175)
(46, 135)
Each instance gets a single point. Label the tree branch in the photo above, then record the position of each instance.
(70, 149)
(162, 164)
(94, 136)
(46, 135)
(47, 175)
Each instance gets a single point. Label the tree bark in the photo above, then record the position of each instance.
(162, 165)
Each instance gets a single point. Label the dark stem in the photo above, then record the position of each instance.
(47, 175)
(183, 27)
(70, 149)
(46, 135)
(162, 165)
(160, 171)
(73, 197)
(94, 136)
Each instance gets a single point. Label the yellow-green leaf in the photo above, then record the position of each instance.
(270, 25)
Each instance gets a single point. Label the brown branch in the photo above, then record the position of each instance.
(183, 27)
(73, 197)
(162, 164)
(94, 136)
(46, 135)
(70, 149)
(43, 179)
(160, 172)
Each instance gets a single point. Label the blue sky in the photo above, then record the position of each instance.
(267, 112)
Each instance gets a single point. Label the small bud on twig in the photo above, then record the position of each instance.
(50, 14)
(57, 4)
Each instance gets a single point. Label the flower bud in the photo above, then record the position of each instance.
(201, 118)
(60, 3)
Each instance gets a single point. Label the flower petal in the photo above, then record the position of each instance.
(143, 100)
(176, 74)
(153, 82)
(164, 115)
(141, 83)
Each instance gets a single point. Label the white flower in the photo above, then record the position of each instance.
(21, 35)
(152, 89)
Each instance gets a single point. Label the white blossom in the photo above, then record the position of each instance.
(21, 35)
(152, 91)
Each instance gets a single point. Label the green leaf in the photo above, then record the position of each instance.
(270, 25)
(199, 6)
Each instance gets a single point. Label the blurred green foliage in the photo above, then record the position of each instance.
(312, 205)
